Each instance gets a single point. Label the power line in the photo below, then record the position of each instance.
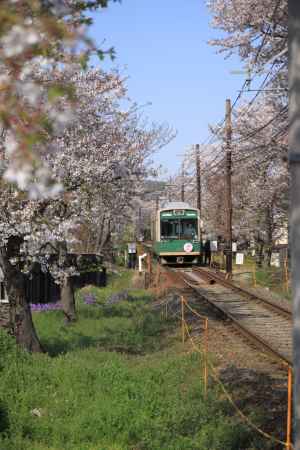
(260, 90)
(282, 132)
(266, 33)
(258, 130)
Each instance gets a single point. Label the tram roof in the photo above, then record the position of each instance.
(176, 205)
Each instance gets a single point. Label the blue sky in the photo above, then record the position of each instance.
(163, 44)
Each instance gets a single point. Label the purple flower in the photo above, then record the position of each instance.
(45, 306)
(89, 299)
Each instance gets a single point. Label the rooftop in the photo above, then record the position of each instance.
(176, 205)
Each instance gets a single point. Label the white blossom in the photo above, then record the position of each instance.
(10, 144)
(15, 42)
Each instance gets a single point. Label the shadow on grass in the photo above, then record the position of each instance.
(130, 327)
(137, 335)
(270, 395)
(58, 345)
(4, 420)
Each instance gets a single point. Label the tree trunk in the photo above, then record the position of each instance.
(68, 300)
(21, 324)
(67, 288)
(270, 227)
(99, 236)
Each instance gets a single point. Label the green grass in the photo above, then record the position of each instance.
(267, 277)
(130, 326)
(117, 380)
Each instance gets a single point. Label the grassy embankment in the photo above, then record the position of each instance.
(272, 277)
(116, 380)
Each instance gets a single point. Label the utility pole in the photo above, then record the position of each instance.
(140, 223)
(198, 187)
(228, 202)
(182, 183)
(294, 220)
(198, 176)
(169, 190)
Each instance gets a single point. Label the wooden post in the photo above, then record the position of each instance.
(286, 275)
(289, 411)
(228, 192)
(254, 275)
(222, 261)
(198, 175)
(182, 320)
(182, 183)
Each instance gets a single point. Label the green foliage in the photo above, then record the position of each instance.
(116, 383)
(57, 90)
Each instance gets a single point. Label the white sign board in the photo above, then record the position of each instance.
(239, 258)
(213, 246)
(234, 246)
(275, 260)
(132, 248)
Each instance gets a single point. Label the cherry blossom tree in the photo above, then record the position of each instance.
(260, 151)
(102, 157)
(99, 158)
(259, 175)
(256, 31)
(44, 34)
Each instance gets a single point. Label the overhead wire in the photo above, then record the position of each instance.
(266, 33)
(261, 128)
(212, 167)
(282, 132)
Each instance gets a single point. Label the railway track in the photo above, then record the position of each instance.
(267, 324)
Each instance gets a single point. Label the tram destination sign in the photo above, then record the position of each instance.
(179, 213)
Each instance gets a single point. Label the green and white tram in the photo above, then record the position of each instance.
(176, 234)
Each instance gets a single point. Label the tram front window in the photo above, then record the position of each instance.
(179, 229)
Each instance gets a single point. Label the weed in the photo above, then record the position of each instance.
(111, 381)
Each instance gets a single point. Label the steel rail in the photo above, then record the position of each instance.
(246, 331)
(214, 276)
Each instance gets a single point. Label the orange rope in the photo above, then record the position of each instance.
(193, 310)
